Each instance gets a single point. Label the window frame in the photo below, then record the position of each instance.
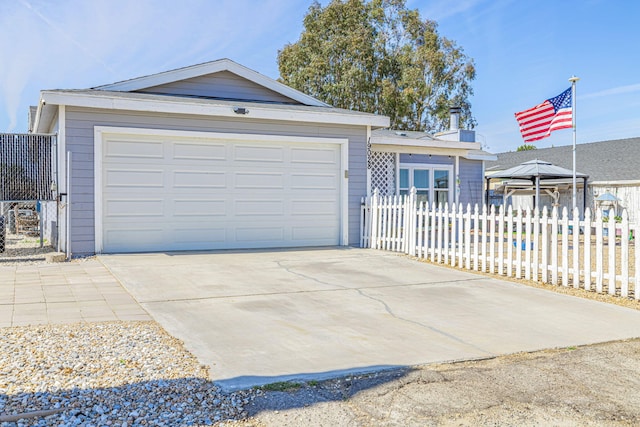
(431, 168)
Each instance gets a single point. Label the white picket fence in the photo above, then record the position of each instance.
(592, 252)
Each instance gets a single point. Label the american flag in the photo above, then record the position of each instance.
(553, 114)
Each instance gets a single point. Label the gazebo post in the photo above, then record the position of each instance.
(537, 202)
(486, 192)
(584, 195)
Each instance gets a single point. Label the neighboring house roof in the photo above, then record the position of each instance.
(123, 96)
(604, 161)
(422, 142)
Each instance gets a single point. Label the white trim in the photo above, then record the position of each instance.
(61, 179)
(100, 131)
(344, 189)
(431, 143)
(210, 68)
(177, 106)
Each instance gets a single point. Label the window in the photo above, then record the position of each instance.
(432, 182)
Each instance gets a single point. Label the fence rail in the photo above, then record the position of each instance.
(593, 252)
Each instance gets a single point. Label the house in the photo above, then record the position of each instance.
(447, 167)
(610, 165)
(217, 156)
(209, 156)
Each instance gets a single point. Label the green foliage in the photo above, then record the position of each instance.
(527, 147)
(280, 386)
(378, 56)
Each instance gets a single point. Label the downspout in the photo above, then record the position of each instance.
(457, 198)
(368, 161)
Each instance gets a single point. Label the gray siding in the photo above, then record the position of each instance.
(225, 85)
(79, 140)
(471, 182)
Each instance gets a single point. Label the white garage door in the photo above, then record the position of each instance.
(169, 192)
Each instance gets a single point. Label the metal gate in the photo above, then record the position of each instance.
(28, 206)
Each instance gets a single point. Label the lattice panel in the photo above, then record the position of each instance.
(383, 173)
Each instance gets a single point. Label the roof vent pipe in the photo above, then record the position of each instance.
(454, 118)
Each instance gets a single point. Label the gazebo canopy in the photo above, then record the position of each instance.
(538, 172)
(537, 168)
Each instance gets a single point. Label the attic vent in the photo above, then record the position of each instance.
(401, 133)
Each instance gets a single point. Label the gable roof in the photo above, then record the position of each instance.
(604, 161)
(125, 96)
(211, 67)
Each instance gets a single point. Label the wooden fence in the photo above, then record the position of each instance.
(592, 252)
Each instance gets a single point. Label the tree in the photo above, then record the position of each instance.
(526, 147)
(378, 56)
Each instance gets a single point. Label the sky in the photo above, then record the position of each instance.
(524, 52)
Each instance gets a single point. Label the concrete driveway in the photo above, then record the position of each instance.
(256, 317)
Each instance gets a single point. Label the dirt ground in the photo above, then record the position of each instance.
(587, 386)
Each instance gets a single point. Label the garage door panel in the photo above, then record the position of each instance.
(181, 194)
(258, 153)
(134, 208)
(259, 208)
(259, 180)
(316, 181)
(326, 233)
(121, 239)
(327, 207)
(199, 179)
(260, 234)
(131, 150)
(314, 156)
(191, 236)
(134, 178)
(201, 208)
(200, 152)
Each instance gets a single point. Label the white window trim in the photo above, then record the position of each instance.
(100, 131)
(431, 168)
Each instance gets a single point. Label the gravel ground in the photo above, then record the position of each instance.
(587, 386)
(23, 250)
(135, 374)
(115, 373)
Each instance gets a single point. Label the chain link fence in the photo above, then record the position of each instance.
(28, 207)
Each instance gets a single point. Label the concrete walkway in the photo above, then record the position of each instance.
(256, 317)
(77, 291)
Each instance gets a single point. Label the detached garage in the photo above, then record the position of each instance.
(214, 156)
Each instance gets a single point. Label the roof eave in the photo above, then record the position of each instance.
(178, 106)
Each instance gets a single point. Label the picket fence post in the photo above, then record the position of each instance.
(492, 239)
(476, 232)
(587, 249)
(599, 252)
(528, 244)
(611, 249)
(624, 254)
(565, 247)
(485, 230)
(576, 248)
(554, 246)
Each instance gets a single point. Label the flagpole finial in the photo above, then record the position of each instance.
(574, 79)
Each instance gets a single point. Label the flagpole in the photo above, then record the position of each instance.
(573, 81)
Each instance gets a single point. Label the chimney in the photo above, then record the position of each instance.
(454, 118)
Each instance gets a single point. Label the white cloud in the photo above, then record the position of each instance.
(620, 90)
